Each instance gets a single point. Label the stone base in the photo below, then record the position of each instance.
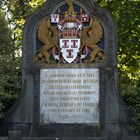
(65, 138)
(72, 138)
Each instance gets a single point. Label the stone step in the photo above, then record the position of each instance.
(3, 138)
(131, 138)
(64, 138)
(72, 138)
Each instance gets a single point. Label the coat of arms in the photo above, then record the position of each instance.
(70, 37)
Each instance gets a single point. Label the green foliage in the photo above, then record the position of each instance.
(19, 11)
(5, 36)
(9, 68)
(126, 14)
(10, 48)
(133, 101)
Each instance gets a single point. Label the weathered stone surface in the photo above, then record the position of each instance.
(69, 96)
(74, 138)
(14, 135)
(3, 138)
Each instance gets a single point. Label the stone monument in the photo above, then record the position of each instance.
(69, 78)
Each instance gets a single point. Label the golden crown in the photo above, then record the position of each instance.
(70, 14)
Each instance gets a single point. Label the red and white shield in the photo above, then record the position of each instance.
(70, 48)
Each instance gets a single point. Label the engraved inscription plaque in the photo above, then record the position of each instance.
(69, 96)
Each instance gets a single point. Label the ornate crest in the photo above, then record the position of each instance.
(70, 37)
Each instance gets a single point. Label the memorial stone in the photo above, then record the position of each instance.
(69, 77)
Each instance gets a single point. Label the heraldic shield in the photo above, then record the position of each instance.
(69, 33)
(70, 48)
(70, 36)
